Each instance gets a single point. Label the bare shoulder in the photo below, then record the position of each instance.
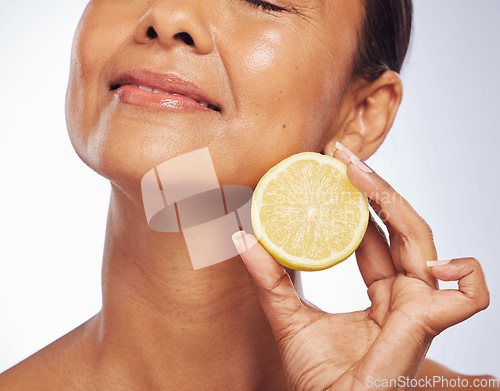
(64, 364)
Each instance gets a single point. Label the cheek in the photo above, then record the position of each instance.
(266, 68)
(100, 138)
(285, 95)
(283, 78)
(261, 54)
(92, 48)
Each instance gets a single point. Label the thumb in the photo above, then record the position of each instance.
(472, 295)
(278, 298)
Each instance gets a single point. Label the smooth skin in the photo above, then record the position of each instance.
(283, 82)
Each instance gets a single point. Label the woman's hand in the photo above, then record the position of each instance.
(365, 349)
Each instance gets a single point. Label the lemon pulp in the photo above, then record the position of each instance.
(306, 212)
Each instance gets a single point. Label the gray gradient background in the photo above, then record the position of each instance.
(440, 154)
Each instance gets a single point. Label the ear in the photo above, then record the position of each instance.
(367, 113)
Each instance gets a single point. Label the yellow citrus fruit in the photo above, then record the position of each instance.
(306, 212)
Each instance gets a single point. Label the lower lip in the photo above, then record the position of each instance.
(178, 103)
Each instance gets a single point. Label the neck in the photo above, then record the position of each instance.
(164, 325)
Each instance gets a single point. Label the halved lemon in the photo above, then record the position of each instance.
(306, 212)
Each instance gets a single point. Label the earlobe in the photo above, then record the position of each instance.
(370, 116)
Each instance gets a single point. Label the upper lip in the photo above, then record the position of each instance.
(168, 82)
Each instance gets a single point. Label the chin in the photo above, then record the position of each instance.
(124, 156)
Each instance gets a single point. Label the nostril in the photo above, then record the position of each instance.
(151, 33)
(188, 40)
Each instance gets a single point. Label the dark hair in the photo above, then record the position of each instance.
(384, 39)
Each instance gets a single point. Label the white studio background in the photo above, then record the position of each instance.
(440, 154)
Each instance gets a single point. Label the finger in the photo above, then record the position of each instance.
(472, 296)
(416, 245)
(411, 238)
(277, 295)
(343, 154)
(373, 255)
(395, 244)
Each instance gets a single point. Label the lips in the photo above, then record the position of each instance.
(168, 90)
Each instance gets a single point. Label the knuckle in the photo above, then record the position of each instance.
(420, 230)
(280, 295)
(484, 300)
(476, 265)
(426, 228)
(483, 294)
(274, 287)
(407, 237)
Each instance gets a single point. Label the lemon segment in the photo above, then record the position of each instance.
(306, 212)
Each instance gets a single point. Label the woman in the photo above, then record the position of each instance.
(275, 79)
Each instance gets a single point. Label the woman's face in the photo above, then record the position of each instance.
(277, 78)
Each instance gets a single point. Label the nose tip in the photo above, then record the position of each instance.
(174, 23)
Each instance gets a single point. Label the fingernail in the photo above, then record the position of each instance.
(238, 241)
(353, 158)
(438, 263)
(344, 149)
(243, 241)
(358, 163)
(333, 151)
